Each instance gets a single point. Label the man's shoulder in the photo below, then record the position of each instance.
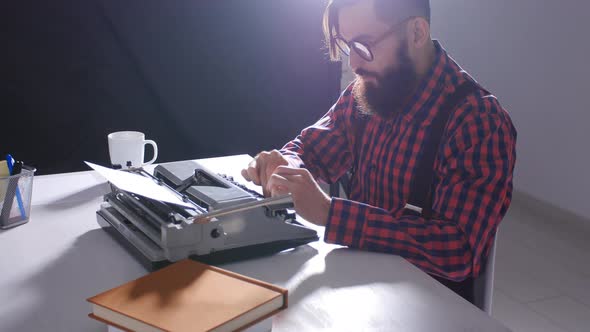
(480, 102)
(482, 108)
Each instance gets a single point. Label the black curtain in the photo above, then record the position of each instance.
(201, 78)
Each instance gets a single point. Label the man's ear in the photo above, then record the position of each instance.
(419, 32)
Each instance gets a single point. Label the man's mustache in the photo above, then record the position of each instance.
(365, 73)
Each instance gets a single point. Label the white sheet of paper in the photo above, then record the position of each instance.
(138, 184)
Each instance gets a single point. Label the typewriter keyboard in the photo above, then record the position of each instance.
(241, 186)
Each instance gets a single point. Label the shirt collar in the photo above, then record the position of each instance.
(431, 85)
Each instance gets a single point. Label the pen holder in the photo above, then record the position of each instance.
(15, 198)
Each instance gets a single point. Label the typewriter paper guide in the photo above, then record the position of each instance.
(139, 185)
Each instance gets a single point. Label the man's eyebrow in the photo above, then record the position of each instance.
(363, 36)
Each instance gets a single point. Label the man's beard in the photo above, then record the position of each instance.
(394, 88)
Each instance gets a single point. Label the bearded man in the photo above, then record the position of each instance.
(428, 152)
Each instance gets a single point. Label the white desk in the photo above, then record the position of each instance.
(49, 266)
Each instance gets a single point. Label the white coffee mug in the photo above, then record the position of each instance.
(126, 148)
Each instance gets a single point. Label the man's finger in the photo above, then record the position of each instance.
(269, 171)
(287, 170)
(263, 179)
(278, 191)
(252, 172)
(202, 220)
(292, 178)
(278, 181)
(254, 176)
(245, 175)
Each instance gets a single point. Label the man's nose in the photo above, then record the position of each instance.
(355, 61)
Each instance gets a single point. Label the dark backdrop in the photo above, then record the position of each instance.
(201, 78)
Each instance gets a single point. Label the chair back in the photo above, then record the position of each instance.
(483, 285)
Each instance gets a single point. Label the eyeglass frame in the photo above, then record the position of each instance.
(368, 45)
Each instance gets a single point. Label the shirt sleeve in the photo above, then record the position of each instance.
(473, 189)
(324, 148)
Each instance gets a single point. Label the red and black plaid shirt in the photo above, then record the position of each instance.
(473, 175)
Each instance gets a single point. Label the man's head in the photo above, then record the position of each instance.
(389, 45)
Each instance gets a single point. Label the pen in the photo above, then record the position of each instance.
(14, 168)
(17, 167)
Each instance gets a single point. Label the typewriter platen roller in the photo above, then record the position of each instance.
(159, 233)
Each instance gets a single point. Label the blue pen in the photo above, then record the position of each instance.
(19, 198)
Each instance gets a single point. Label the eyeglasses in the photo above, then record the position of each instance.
(363, 49)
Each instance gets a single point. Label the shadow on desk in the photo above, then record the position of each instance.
(353, 290)
(56, 296)
(344, 267)
(80, 197)
(303, 270)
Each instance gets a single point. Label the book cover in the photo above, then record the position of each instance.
(188, 296)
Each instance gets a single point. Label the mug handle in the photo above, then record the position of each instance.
(155, 146)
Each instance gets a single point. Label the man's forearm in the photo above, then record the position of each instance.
(435, 246)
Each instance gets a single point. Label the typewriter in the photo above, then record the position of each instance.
(224, 221)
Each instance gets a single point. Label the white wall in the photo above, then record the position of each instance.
(535, 56)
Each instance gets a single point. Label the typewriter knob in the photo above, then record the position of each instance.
(215, 233)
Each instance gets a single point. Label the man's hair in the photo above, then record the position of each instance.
(389, 11)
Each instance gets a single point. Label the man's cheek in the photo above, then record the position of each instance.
(371, 80)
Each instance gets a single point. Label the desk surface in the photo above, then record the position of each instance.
(49, 267)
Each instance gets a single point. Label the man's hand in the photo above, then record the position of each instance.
(310, 201)
(261, 168)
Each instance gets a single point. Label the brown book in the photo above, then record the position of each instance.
(188, 296)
